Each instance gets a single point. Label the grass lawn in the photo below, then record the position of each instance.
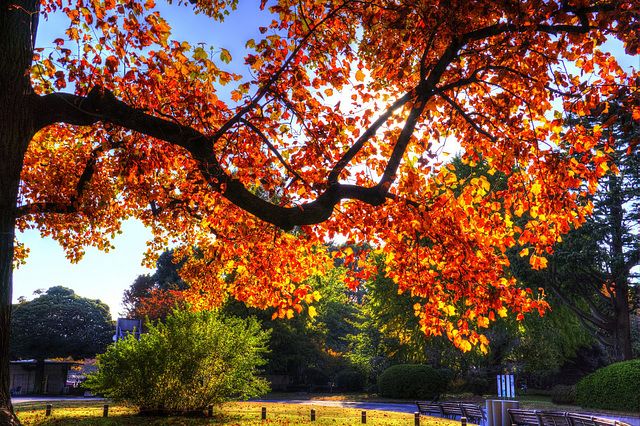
(240, 413)
(249, 413)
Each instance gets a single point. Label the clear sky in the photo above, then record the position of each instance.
(105, 276)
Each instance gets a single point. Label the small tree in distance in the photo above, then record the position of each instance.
(59, 323)
(191, 361)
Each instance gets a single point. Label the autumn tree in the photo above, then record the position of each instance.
(593, 269)
(155, 296)
(59, 323)
(339, 118)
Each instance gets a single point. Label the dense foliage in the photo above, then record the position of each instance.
(563, 395)
(614, 387)
(411, 381)
(59, 323)
(186, 363)
(155, 295)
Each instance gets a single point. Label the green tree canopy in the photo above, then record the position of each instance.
(59, 323)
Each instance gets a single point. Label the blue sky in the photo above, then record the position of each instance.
(105, 276)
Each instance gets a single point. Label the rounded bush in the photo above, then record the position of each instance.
(563, 394)
(350, 381)
(410, 381)
(614, 387)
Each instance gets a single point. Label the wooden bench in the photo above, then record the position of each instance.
(558, 418)
(554, 418)
(452, 410)
(576, 419)
(474, 413)
(429, 408)
(524, 417)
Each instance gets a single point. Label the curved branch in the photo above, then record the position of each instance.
(468, 119)
(72, 205)
(272, 80)
(273, 149)
(389, 174)
(368, 134)
(102, 105)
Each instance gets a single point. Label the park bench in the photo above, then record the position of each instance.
(452, 410)
(558, 418)
(576, 419)
(474, 413)
(524, 417)
(554, 418)
(429, 408)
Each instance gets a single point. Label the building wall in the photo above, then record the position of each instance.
(23, 378)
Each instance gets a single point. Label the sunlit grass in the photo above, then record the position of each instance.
(241, 413)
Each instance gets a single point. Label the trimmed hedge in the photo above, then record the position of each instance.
(615, 387)
(411, 381)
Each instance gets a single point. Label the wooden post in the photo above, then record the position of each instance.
(264, 413)
(48, 410)
(210, 411)
(105, 410)
(364, 417)
(417, 418)
(463, 421)
(313, 414)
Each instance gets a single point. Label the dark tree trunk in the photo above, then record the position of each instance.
(619, 272)
(38, 386)
(18, 20)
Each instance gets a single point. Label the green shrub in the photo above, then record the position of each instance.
(350, 381)
(447, 376)
(563, 394)
(615, 387)
(481, 385)
(410, 381)
(191, 361)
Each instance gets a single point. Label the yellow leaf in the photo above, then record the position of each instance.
(312, 311)
(524, 252)
(536, 189)
(359, 75)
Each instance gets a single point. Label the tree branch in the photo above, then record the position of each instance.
(273, 150)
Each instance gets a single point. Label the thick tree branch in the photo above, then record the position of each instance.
(368, 134)
(273, 150)
(102, 105)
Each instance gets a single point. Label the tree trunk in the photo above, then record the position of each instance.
(18, 19)
(38, 385)
(619, 272)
